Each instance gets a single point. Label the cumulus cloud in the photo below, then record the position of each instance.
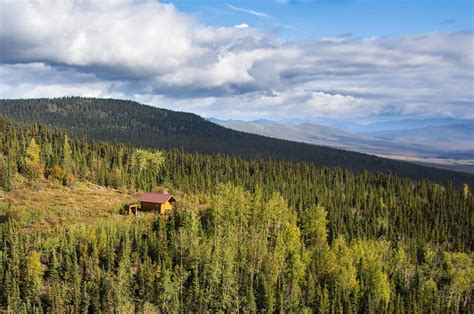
(151, 52)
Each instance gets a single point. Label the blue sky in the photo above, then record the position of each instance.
(357, 60)
(306, 19)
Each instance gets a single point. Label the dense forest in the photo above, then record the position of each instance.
(145, 126)
(262, 235)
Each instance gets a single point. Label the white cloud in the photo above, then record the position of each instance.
(248, 11)
(243, 25)
(151, 52)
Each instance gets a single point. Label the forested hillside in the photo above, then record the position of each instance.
(140, 125)
(246, 235)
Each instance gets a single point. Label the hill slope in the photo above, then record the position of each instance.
(141, 125)
(52, 203)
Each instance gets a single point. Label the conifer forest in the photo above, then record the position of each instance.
(246, 235)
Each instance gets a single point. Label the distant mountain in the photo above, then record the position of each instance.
(410, 124)
(146, 126)
(450, 139)
(309, 133)
(390, 125)
(434, 141)
(450, 146)
(357, 127)
(348, 126)
(463, 132)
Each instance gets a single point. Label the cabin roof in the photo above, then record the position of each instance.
(156, 198)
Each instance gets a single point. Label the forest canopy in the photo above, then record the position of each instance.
(246, 235)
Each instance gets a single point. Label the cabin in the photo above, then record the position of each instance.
(161, 203)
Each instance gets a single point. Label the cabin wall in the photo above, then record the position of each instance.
(147, 207)
(161, 208)
(166, 207)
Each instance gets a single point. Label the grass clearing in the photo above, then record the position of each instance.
(49, 204)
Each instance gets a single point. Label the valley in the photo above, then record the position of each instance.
(448, 146)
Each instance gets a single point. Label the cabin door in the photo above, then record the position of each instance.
(132, 210)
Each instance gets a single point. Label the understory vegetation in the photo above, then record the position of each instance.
(248, 236)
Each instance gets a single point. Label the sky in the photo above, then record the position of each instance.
(358, 60)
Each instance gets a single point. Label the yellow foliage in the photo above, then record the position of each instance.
(33, 162)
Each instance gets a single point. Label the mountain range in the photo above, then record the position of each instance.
(441, 142)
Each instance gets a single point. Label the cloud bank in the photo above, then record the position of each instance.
(151, 52)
